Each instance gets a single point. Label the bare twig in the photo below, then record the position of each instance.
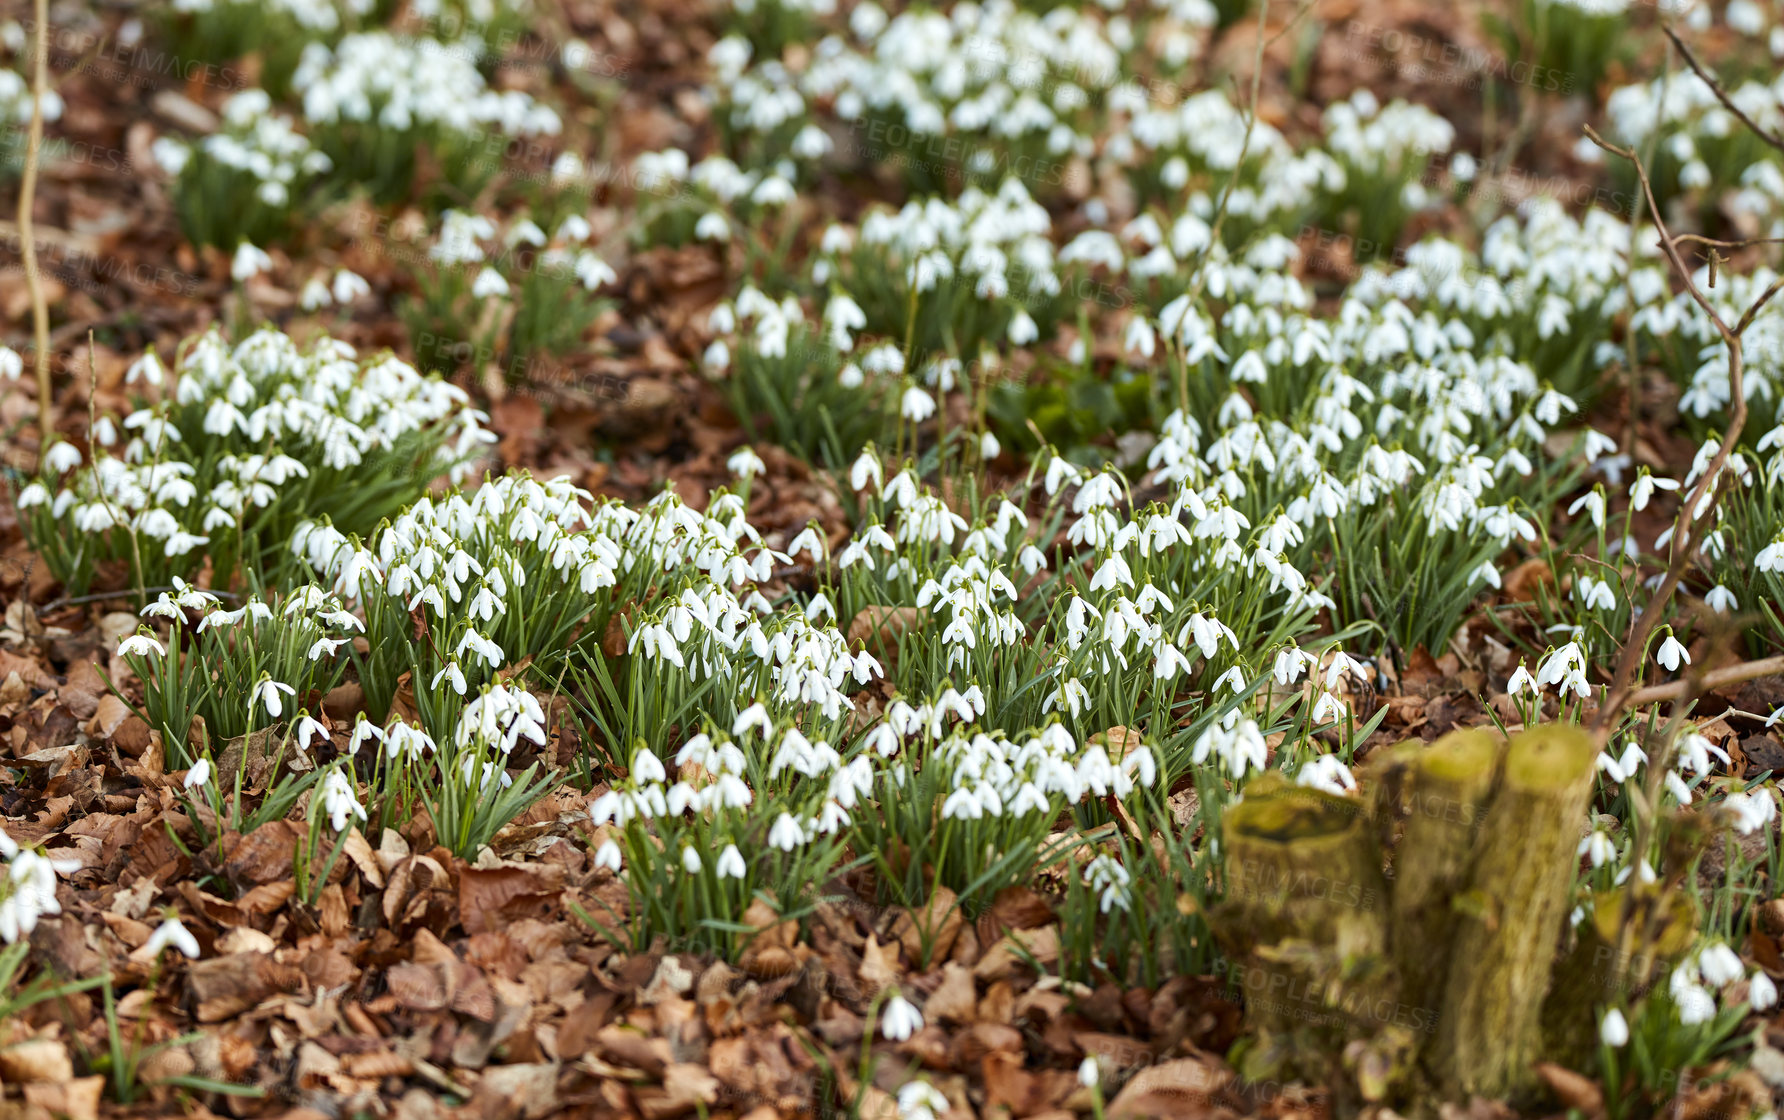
(1714, 679)
(1699, 239)
(40, 312)
(1716, 88)
(129, 593)
(1700, 503)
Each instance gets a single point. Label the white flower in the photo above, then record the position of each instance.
(607, 855)
(315, 295)
(745, 463)
(730, 865)
(785, 834)
(917, 1100)
(1719, 964)
(267, 692)
(690, 861)
(339, 800)
(755, 716)
(1598, 847)
(916, 405)
(1088, 1073)
(1521, 681)
(172, 934)
(1614, 1029)
(1671, 653)
(866, 469)
(199, 775)
(1696, 1005)
(1752, 810)
(62, 457)
(1642, 489)
(364, 731)
(147, 367)
(248, 263)
(1023, 329)
(1762, 994)
(141, 645)
(349, 286)
(900, 1020)
(646, 767)
(489, 282)
(712, 226)
(308, 730)
(1328, 773)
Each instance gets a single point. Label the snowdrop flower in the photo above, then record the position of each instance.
(1328, 773)
(1023, 329)
(1752, 810)
(1671, 653)
(899, 1020)
(745, 463)
(1642, 489)
(147, 368)
(1593, 503)
(1559, 664)
(141, 645)
(730, 865)
(1329, 709)
(785, 834)
(866, 469)
(755, 716)
(1721, 600)
(489, 282)
(199, 775)
(690, 861)
(1594, 594)
(1613, 1030)
(1762, 994)
(574, 229)
(1521, 682)
(916, 405)
(11, 365)
(712, 226)
(349, 286)
(171, 934)
(314, 295)
(248, 263)
(1719, 965)
(1088, 1073)
(1696, 1005)
(62, 457)
(339, 800)
(917, 1100)
(1598, 847)
(308, 730)
(364, 731)
(646, 767)
(607, 855)
(267, 692)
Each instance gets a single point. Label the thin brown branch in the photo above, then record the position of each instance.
(1747, 318)
(1721, 95)
(1699, 239)
(1716, 678)
(1699, 505)
(40, 312)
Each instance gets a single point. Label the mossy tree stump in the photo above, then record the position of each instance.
(1458, 945)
